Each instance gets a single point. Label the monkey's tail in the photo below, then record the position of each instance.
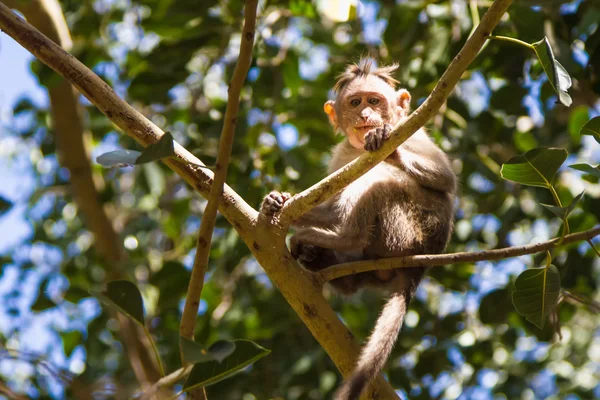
(378, 348)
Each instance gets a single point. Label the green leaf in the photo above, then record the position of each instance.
(221, 349)
(592, 127)
(208, 373)
(125, 296)
(42, 302)
(164, 148)
(537, 167)
(536, 293)
(557, 75)
(118, 158)
(70, 340)
(587, 168)
(563, 212)
(76, 293)
(194, 353)
(5, 205)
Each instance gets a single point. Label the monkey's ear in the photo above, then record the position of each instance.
(403, 99)
(329, 108)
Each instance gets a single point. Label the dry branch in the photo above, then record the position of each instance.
(209, 217)
(434, 260)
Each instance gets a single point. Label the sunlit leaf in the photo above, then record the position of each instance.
(118, 158)
(208, 373)
(592, 127)
(537, 167)
(125, 296)
(557, 75)
(587, 168)
(338, 10)
(563, 212)
(162, 149)
(536, 293)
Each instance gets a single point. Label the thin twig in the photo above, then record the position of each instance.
(593, 247)
(433, 260)
(326, 188)
(192, 300)
(167, 381)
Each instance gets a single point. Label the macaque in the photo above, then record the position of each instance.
(402, 206)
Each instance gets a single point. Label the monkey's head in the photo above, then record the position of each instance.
(366, 98)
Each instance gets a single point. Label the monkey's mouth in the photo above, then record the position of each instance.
(364, 128)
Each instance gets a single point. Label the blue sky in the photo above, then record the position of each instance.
(16, 80)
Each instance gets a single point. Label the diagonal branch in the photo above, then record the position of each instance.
(133, 123)
(434, 260)
(323, 190)
(192, 300)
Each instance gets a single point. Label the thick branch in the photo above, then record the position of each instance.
(434, 260)
(134, 124)
(192, 300)
(318, 193)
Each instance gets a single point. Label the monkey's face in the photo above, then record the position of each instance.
(365, 104)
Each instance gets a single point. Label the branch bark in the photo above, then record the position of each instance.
(438, 260)
(192, 300)
(209, 217)
(326, 188)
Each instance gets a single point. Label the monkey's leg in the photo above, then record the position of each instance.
(321, 216)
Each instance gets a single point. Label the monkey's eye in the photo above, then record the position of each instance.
(354, 102)
(374, 101)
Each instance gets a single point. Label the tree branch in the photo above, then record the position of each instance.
(134, 124)
(167, 381)
(323, 190)
(192, 299)
(436, 260)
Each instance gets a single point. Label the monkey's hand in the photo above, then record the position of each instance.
(273, 203)
(374, 138)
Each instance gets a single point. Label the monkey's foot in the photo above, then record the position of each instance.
(374, 138)
(304, 253)
(273, 203)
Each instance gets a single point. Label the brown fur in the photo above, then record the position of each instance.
(403, 206)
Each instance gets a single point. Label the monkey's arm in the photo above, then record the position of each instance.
(321, 217)
(354, 234)
(328, 239)
(420, 157)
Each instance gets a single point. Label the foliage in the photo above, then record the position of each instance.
(172, 61)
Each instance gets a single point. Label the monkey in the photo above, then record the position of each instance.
(402, 206)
